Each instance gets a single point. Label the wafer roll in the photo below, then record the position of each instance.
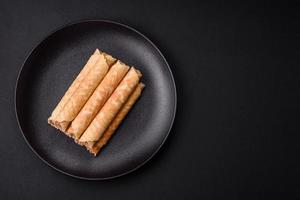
(85, 70)
(118, 119)
(86, 87)
(97, 100)
(110, 109)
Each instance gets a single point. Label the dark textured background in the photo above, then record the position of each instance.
(236, 67)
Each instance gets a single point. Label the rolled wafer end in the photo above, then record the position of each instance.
(97, 51)
(54, 123)
(139, 73)
(109, 59)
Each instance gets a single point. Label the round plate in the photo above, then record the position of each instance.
(50, 69)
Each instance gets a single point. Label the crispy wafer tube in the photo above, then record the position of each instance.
(97, 100)
(90, 63)
(110, 109)
(118, 119)
(81, 94)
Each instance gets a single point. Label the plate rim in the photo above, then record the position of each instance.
(80, 22)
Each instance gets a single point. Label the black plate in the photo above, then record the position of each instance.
(52, 66)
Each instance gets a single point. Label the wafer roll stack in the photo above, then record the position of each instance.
(97, 101)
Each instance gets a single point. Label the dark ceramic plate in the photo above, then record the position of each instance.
(50, 69)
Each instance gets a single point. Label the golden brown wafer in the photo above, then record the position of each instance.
(118, 119)
(110, 109)
(97, 100)
(85, 70)
(86, 87)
